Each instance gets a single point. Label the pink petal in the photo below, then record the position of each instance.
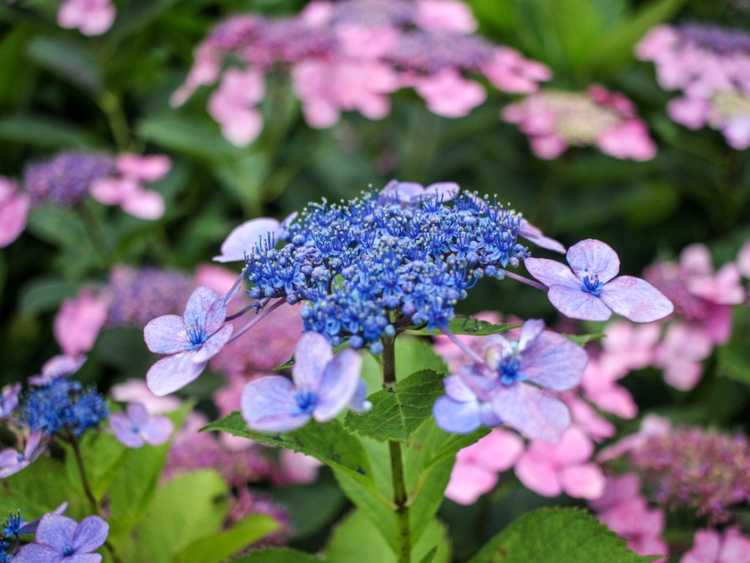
(705, 548)
(573, 448)
(532, 412)
(172, 373)
(690, 112)
(449, 95)
(552, 273)
(338, 385)
(577, 304)
(445, 15)
(554, 362)
(468, 482)
(497, 451)
(112, 191)
(538, 475)
(144, 204)
(311, 356)
(636, 299)
(14, 211)
(736, 548)
(592, 256)
(166, 335)
(583, 481)
(243, 239)
(145, 168)
(743, 260)
(268, 405)
(79, 321)
(548, 147)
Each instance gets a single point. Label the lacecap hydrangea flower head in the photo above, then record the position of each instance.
(366, 270)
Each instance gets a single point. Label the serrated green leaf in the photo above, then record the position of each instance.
(278, 555)
(557, 535)
(70, 60)
(329, 442)
(395, 415)
(468, 326)
(219, 547)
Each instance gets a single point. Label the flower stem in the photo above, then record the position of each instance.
(400, 497)
(525, 280)
(255, 320)
(89, 492)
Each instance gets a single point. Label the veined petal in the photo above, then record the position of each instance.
(269, 405)
(577, 304)
(243, 239)
(338, 385)
(592, 256)
(122, 427)
(530, 330)
(459, 418)
(552, 273)
(537, 237)
(90, 534)
(205, 311)
(56, 531)
(636, 299)
(214, 344)
(166, 335)
(456, 389)
(531, 411)
(444, 191)
(554, 362)
(312, 354)
(172, 373)
(157, 430)
(36, 553)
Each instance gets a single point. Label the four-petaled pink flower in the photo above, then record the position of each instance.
(14, 209)
(233, 105)
(448, 94)
(136, 427)
(126, 187)
(60, 539)
(550, 469)
(190, 341)
(12, 461)
(513, 388)
(322, 385)
(710, 546)
(589, 290)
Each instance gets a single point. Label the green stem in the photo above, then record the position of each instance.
(118, 124)
(400, 497)
(89, 492)
(95, 233)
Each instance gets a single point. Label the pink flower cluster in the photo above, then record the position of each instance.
(711, 546)
(14, 209)
(351, 56)
(555, 120)
(90, 17)
(710, 66)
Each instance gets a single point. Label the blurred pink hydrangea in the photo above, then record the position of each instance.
(79, 320)
(352, 55)
(710, 66)
(711, 546)
(14, 209)
(555, 120)
(90, 17)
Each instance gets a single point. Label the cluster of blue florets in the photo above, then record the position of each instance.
(63, 404)
(11, 531)
(372, 265)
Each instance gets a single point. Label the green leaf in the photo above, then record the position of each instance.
(310, 508)
(43, 295)
(219, 547)
(734, 356)
(583, 339)
(46, 132)
(328, 442)
(278, 555)
(189, 507)
(58, 225)
(194, 136)
(244, 178)
(557, 535)
(70, 60)
(101, 453)
(616, 47)
(357, 539)
(136, 15)
(468, 326)
(395, 415)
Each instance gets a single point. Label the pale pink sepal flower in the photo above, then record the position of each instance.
(136, 391)
(445, 15)
(14, 210)
(90, 17)
(448, 94)
(233, 105)
(79, 321)
(743, 260)
(711, 546)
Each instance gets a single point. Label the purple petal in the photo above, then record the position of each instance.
(577, 304)
(166, 335)
(84, 558)
(359, 402)
(312, 354)
(205, 311)
(338, 385)
(636, 299)
(62, 365)
(536, 236)
(172, 373)
(137, 413)
(122, 427)
(457, 389)
(35, 553)
(34, 445)
(213, 345)
(554, 362)
(592, 256)
(532, 412)
(8, 462)
(56, 531)
(90, 534)
(445, 191)
(530, 330)
(157, 430)
(243, 239)
(551, 273)
(404, 192)
(31, 527)
(9, 399)
(456, 417)
(269, 405)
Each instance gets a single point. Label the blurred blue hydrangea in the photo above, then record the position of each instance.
(64, 405)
